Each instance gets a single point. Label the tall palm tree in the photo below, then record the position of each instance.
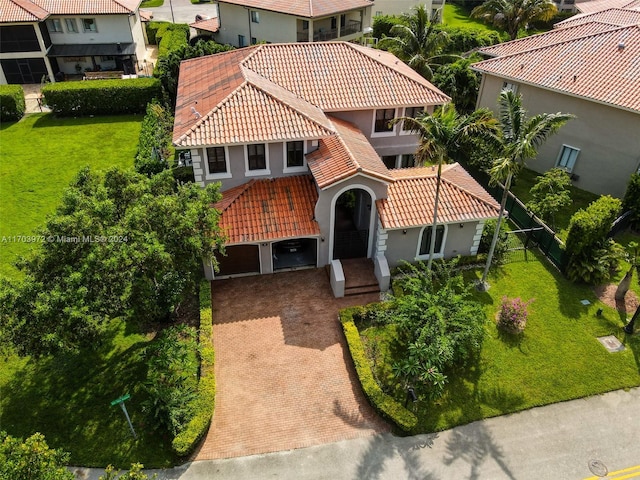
(444, 137)
(520, 139)
(512, 15)
(418, 42)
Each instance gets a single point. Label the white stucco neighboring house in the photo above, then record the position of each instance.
(311, 166)
(398, 7)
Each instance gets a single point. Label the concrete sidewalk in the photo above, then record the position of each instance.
(570, 440)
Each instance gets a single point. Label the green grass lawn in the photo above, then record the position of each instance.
(458, 16)
(526, 179)
(39, 156)
(558, 358)
(67, 397)
(151, 3)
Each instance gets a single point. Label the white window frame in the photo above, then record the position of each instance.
(300, 169)
(255, 16)
(570, 148)
(95, 25)
(436, 254)
(55, 25)
(510, 86)
(392, 132)
(261, 172)
(404, 114)
(72, 25)
(216, 176)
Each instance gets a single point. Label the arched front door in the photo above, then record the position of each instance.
(351, 224)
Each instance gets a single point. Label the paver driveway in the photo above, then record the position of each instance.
(284, 376)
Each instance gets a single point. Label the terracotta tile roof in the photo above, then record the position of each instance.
(297, 81)
(593, 67)
(614, 16)
(599, 5)
(344, 155)
(410, 199)
(146, 15)
(209, 24)
(303, 8)
(88, 7)
(544, 39)
(12, 11)
(269, 209)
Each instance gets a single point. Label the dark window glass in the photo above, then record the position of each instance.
(383, 119)
(408, 161)
(295, 154)
(334, 23)
(425, 242)
(24, 70)
(412, 112)
(18, 38)
(389, 161)
(216, 160)
(257, 158)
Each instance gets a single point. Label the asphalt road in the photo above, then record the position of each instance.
(183, 11)
(580, 439)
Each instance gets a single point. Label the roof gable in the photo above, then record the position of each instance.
(21, 11)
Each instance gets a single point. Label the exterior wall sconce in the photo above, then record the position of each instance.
(462, 225)
(322, 239)
(265, 244)
(404, 232)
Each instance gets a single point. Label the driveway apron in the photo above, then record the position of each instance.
(284, 376)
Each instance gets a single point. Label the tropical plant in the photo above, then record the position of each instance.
(513, 15)
(519, 141)
(459, 82)
(135, 473)
(418, 42)
(631, 200)
(154, 144)
(31, 459)
(550, 194)
(444, 135)
(632, 255)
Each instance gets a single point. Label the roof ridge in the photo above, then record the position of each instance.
(242, 189)
(126, 7)
(600, 12)
(468, 192)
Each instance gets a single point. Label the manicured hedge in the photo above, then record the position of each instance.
(171, 37)
(101, 97)
(187, 440)
(12, 104)
(152, 31)
(388, 407)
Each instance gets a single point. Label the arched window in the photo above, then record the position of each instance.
(425, 241)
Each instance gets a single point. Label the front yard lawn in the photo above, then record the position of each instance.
(558, 358)
(459, 16)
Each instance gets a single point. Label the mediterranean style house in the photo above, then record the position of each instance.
(312, 167)
(397, 7)
(50, 38)
(247, 22)
(588, 66)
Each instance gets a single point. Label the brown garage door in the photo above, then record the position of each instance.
(239, 259)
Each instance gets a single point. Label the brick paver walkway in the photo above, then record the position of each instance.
(284, 376)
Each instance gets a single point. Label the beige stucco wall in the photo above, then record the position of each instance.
(273, 27)
(608, 138)
(397, 7)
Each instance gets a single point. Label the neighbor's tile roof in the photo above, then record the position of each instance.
(228, 97)
(14, 11)
(410, 198)
(603, 67)
(599, 5)
(614, 16)
(269, 209)
(303, 8)
(209, 24)
(146, 15)
(88, 7)
(544, 39)
(344, 155)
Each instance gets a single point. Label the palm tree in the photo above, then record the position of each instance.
(418, 42)
(521, 137)
(443, 137)
(512, 15)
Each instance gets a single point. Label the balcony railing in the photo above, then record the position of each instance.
(323, 35)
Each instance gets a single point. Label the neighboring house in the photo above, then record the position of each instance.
(247, 22)
(397, 7)
(56, 37)
(311, 169)
(589, 70)
(592, 6)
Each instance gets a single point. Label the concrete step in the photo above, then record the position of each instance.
(361, 289)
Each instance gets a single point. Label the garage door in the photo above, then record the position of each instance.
(239, 259)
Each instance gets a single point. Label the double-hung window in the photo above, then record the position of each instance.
(89, 25)
(216, 160)
(425, 241)
(411, 112)
(257, 157)
(408, 161)
(72, 26)
(389, 161)
(295, 154)
(255, 16)
(567, 158)
(55, 25)
(383, 120)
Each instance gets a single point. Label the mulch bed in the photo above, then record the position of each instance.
(606, 294)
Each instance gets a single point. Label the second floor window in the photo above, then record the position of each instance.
(411, 112)
(216, 160)
(256, 156)
(89, 25)
(55, 25)
(295, 154)
(255, 16)
(383, 120)
(72, 26)
(241, 41)
(567, 158)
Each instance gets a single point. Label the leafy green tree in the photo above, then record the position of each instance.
(633, 257)
(439, 326)
(513, 15)
(631, 200)
(382, 25)
(154, 144)
(443, 137)
(418, 42)
(519, 141)
(459, 82)
(31, 459)
(550, 194)
(119, 245)
(135, 473)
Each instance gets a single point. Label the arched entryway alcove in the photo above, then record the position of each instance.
(352, 217)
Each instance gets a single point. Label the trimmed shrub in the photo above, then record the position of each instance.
(12, 104)
(512, 316)
(203, 404)
(154, 144)
(631, 200)
(387, 406)
(382, 25)
(591, 256)
(152, 31)
(466, 39)
(172, 37)
(101, 97)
